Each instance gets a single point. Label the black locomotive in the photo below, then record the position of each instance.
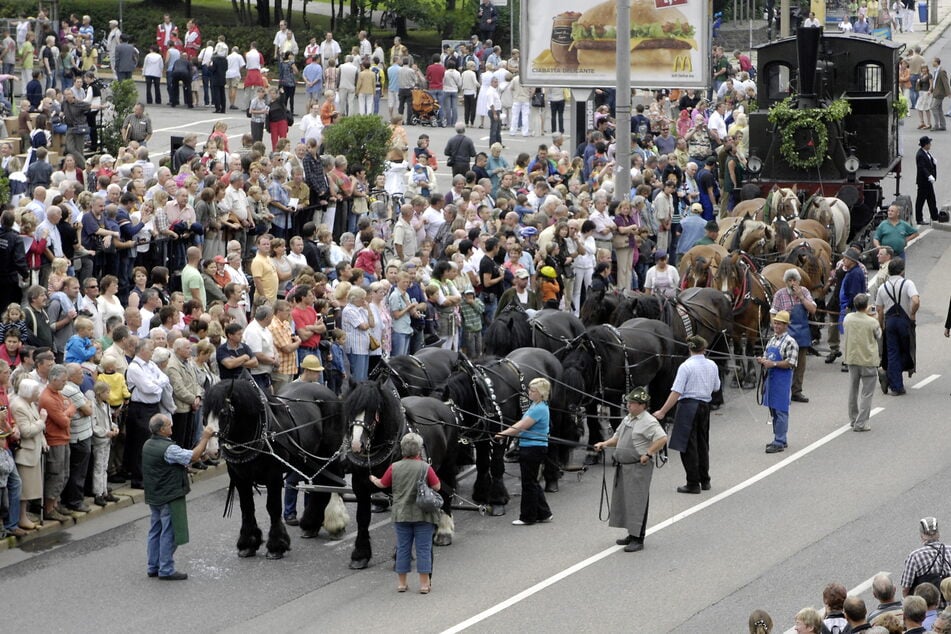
(851, 156)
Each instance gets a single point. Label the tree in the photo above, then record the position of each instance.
(124, 96)
(363, 139)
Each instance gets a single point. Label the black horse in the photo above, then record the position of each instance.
(608, 362)
(555, 330)
(419, 374)
(508, 331)
(259, 436)
(696, 311)
(598, 307)
(377, 420)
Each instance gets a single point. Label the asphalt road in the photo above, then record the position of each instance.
(837, 506)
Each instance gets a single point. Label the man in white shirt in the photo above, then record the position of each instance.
(366, 49)
(233, 75)
(151, 302)
(38, 205)
(147, 384)
(329, 49)
(279, 38)
(204, 60)
(433, 218)
(347, 86)
(259, 339)
(717, 125)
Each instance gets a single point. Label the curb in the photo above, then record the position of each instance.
(127, 497)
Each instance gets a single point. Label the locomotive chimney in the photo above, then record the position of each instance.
(807, 41)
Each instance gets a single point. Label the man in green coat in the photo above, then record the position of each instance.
(165, 479)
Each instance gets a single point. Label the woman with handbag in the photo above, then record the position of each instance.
(532, 433)
(412, 524)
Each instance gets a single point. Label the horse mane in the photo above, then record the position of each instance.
(598, 307)
(737, 242)
(508, 331)
(374, 398)
(783, 230)
(728, 269)
(244, 399)
(460, 389)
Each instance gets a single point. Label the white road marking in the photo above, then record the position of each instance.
(201, 122)
(581, 565)
(854, 592)
(167, 152)
(920, 384)
(921, 235)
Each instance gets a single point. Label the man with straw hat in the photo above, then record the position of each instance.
(780, 357)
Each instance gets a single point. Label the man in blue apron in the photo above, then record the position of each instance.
(796, 299)
(782, 354)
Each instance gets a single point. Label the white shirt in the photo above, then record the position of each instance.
(259, 339)
(204, 58)
(433, 221)
(235, 63)
(253, 59)
(329, 50)
(347, 76)
(366, 49)
(717, 123)
(146, 381)
(279, 38)
(49, 232)
(311, 127)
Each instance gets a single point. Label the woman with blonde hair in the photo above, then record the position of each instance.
(808, 621)
(532, 431)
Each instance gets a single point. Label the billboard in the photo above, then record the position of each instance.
(669, 43)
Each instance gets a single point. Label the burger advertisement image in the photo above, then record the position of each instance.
(579, 47)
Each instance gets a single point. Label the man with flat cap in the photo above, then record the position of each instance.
(636, 441)
(779, 359)
(696, 381)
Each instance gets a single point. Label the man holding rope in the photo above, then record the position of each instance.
(697, 379)
(780, 358)
(637, 440)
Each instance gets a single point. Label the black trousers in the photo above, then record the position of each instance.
(557, 116)
(468, 109)
(288, 98)
(406, 101)
(534, 506)
(137, 432)
(926, 194)
(182, 431)
(495, 128)
(218, 98)
(696, 460)
(153, 83)
(79, 454)
(185, 81)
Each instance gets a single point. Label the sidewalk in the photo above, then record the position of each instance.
(127, 497)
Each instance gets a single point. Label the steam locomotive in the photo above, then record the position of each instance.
(861, 150)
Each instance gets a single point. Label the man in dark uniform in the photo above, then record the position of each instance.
(927, 172)
(13, 256)
(165, 476)
(697, 379)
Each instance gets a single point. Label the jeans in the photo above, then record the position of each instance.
(206, 83)
(359, 366)
(14, 486)
(780, 426)
(448, 107)
(401, 344)
(406, 534)
(437, 95)
(153, 83)
(290, 495)
(161, 547)
(406, 102)
(534, 506)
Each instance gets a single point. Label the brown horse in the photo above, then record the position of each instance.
(750, 293)
(833, 214)
(773, 273)
(780, 203)
(699, 265)
(809, 228)
(754, 237)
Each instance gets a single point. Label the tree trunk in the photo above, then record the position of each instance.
(188, 9)
(303, 13)
(264, 13)
(288, 13)
(400, 23)
(237, 10)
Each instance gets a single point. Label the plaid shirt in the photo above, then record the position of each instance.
(920, 562)
(783, 299)
(472, 315)
(788, 348)
(286, 361)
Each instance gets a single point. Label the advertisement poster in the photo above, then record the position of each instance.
(578, 47)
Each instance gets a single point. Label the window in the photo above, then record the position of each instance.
(777, 82)
(869, 77)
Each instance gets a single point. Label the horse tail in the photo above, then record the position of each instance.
(229, 500)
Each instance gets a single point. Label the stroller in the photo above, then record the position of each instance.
(425, 109)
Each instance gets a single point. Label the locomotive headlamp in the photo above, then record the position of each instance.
(754, 165)
(852, 164)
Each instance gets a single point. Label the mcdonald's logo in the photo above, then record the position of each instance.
(683, 64)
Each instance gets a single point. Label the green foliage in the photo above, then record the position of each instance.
(124, 96)
(790, 120)
(4, 189)
(363, 139)
(901, 106)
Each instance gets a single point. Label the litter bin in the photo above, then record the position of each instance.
(923, 12)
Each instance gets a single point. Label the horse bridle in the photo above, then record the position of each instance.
(233, 452)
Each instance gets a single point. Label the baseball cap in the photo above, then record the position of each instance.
(522, 274)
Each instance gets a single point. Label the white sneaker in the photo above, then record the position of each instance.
(520, 523)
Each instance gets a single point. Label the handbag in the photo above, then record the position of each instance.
(427, 500)
(538, 98)
(374, 344)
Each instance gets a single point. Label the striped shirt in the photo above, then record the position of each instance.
(358, 340)
(788, 348)
(697, 378)
(784, 300)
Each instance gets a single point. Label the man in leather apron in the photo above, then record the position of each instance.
(637, 440)
(781, 356)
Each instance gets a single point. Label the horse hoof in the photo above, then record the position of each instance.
(497, 510)
(336, 537)
(309, 534)
(551, 487)
(275, 555)
(443, 540)
(359, 564)
(247, 552)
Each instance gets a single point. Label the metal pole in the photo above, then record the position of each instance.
(785, 18)
(512, 15)
(622, 153)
